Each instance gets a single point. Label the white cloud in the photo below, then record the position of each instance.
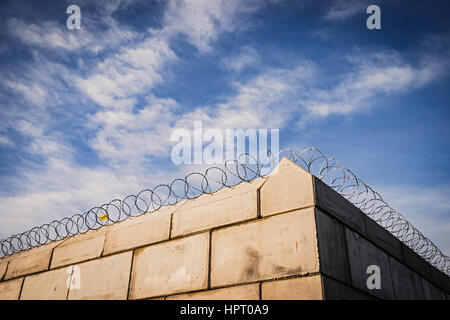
(382, 73)
(343, 9)
(246, 57)
(118, 79)
(268, 100)
(202, 21)
(136, 68)
(49, 145)
(32, 92)
(55, 35)
(126, 138)
(115, 83)
(5, 141)
(58, 191)
(39, 84)
(48, 35)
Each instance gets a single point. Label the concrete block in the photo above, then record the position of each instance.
(333, 258)
(30, 261)
(362, 254)
(238, 207)
(440, 279)
(335, 290)
(415, 262)
(288, 188)
(304, 288)
(170, 267)
(50, 285)
(331, 202)
(425, 269)
(431, 292)
(103, 279)
(79, 248)
(225, 193)
(269, 248)
(3, 266)
(10, 290)
(248, 292)
(139, 231)
(35, 262)
(383, 239)
(407, 284)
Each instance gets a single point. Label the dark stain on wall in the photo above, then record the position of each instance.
(253, 260)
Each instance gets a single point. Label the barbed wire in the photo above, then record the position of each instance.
(243, 169)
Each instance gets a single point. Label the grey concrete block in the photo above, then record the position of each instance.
(416, 262)
(425, 269)
(363, 254)
(407, 283)
(333, 203)
(335, 290)
(431, 292)
(383, 239)
(440, 279)
(331, 239)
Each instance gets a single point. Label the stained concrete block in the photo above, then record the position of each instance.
(383, 239)
(30, 261)
(170, 267)
(333, 258)
(139, 231)
(407, 284)
(50, 285)
(3, 266)
(247, 292)
(431, 292)
(10, 290)
(331, 202)
(335, 290)
(288, 188)
(103, 279)
(79, 248)
(278, 246)
(362, 254)
(303, 288)
(239, 207)
(35, 262)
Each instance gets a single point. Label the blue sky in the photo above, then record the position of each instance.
(86, 115)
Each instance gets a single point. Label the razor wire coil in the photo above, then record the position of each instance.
(233, 172)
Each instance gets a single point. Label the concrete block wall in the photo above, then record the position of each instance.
(284, 236)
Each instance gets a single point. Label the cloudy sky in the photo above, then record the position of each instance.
(86, 115)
